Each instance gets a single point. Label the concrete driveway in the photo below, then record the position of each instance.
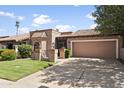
(74, 72)
(85, 72)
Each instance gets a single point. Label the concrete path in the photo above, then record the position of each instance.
(74, 72)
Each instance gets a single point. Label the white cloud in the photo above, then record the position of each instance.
(64, 28)
(42, 19)
(23, 30)
(20, 17)
(11, 15)
(93, 26)
(35, 25)
(35, 15)
(2, 13)
(90, 16)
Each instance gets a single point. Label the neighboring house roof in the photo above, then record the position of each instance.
(39, 34)
(3, 36)
(66, 33)
(87, 32)
(16, 38)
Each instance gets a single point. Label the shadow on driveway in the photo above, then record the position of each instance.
(86, 72)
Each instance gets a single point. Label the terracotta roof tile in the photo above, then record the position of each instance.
(86, 32)
(16, 38)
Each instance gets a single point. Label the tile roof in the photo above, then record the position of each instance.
(3, 36)
(66, 33)
(87, 32)
(16, 38)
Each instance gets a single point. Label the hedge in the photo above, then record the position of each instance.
(8, 55)
(1, 50)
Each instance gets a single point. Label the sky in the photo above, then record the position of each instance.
(36, 17)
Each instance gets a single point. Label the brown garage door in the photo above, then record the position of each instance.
(95, 49)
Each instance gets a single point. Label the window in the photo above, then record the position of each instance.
(62, 44)
(10, 45)
(36, 46)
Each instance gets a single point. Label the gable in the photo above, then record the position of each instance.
(39, 34)
(44, 34)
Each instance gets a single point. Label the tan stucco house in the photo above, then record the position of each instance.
(82, 43)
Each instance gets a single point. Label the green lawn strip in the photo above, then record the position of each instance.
(14, 70)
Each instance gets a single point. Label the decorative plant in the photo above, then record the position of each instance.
(25, 50)
(67, 53)
(8, 55)
(1, 50)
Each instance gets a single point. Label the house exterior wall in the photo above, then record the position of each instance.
(52, 54)
(122, 53)
(37, 54)
(54, 35)
(50, 40)
(2, 46)
(40, 39)
(121, 49)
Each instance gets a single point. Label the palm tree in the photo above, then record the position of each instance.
(17, 26)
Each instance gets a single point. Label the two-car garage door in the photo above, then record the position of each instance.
(94, 49)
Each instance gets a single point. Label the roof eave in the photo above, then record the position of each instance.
(87, 35)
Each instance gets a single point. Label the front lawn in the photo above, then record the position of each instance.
(17, 69)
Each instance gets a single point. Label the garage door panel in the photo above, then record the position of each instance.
(96, 49)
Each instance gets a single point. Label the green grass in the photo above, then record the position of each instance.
(17, 69)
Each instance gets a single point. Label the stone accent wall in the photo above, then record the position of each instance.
(53, 54)
(35, 55)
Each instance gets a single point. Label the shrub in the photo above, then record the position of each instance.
(67, 53)
(25, 50)
(1, 50)
(8, 55)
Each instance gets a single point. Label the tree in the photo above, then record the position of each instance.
(110, 19)
(17, 26)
